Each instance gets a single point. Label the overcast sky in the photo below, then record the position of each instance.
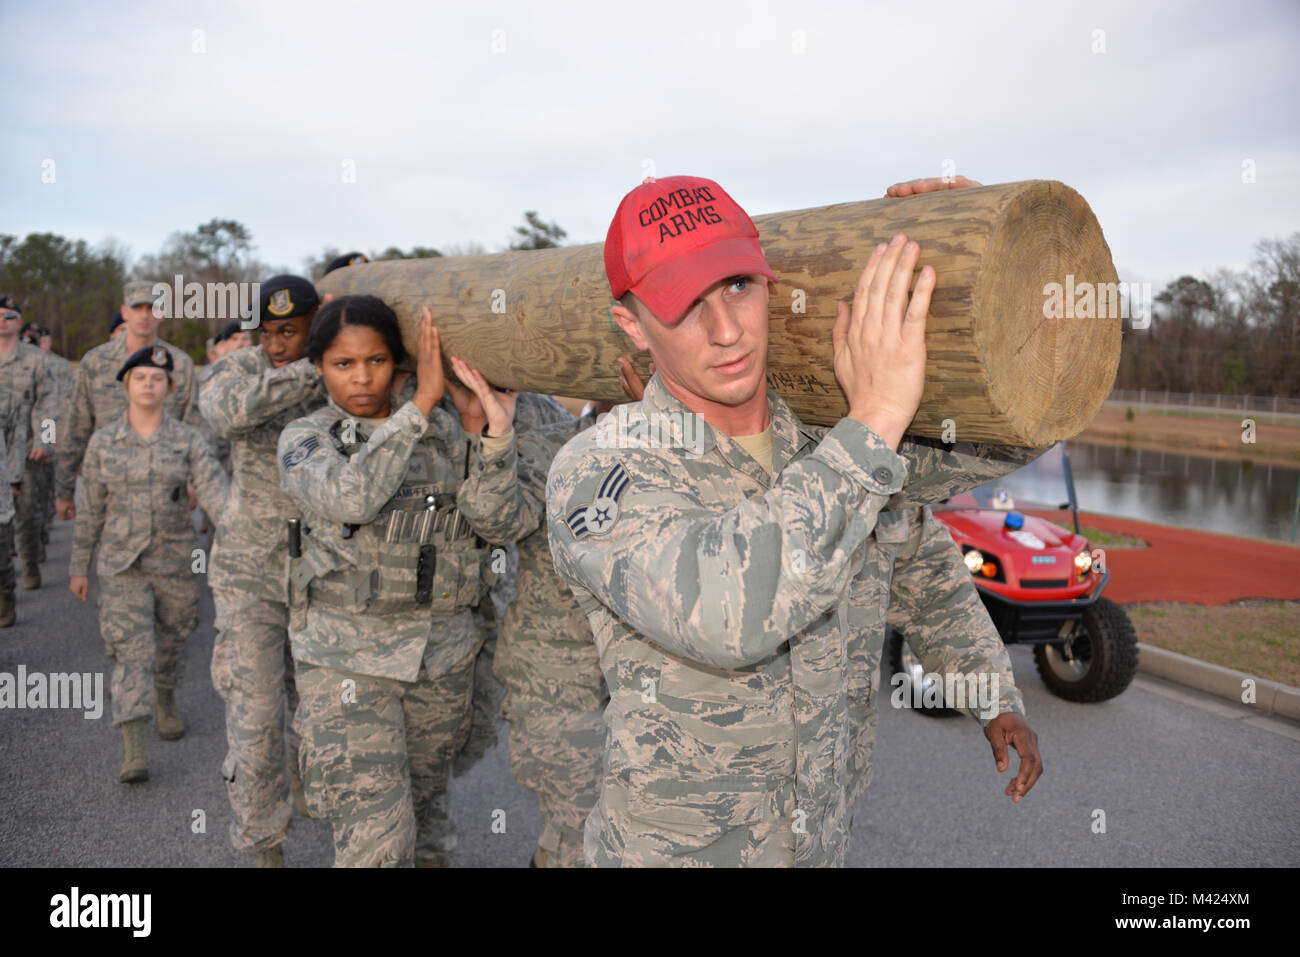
(456, 117)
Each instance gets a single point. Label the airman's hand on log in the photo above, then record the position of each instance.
(430, 380)
(629, 380)
(879, 341)
(928, 184)
(480, 402)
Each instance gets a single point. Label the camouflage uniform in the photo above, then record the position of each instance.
(63, 374)
(531, 411)
(202, 376)
(12, 455)
(98, 398)
(137, 514)
(247, 401)
(61, 369)
(547, 659)
(739, 621)
(385, 682)
(26, 372)
(437, 835)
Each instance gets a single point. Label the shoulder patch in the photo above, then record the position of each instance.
(300, 452)
(599, 516)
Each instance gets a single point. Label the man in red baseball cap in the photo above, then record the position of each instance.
(738, 587)
(673, 244)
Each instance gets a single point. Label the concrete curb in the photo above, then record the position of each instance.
(1271, 697)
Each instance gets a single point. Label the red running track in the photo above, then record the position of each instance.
(1187, 565)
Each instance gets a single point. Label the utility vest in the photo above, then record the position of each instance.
(419, 555)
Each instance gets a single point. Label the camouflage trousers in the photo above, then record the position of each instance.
(558, 755)
(6, 560)
(253, 672)
(670, 821)
(31, 514)
(45, 491)
(144, 619)
(375, 754)
(554, 703)
(436, 837)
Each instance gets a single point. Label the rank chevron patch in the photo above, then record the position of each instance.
(598, 517)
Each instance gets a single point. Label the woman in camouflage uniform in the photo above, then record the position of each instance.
(137, 513)
(385, 569)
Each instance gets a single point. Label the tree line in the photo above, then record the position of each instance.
(1236, 332)
(74, 288)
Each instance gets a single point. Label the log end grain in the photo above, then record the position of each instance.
(1046, 317)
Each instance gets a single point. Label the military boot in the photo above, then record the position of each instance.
(7, 613)
(271, 857)
(135, 766)
(170, 726)
(31, 575)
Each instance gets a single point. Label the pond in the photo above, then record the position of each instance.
(1218, 495)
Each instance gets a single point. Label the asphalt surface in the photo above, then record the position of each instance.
(1183, 779)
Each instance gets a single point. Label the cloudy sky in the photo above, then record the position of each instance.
(374, 124)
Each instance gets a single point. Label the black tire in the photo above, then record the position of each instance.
(895, 660)
(1104, 653)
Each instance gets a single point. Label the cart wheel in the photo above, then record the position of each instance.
(1098, 662)
(899, 658)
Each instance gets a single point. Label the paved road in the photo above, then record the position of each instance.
(1183, 779)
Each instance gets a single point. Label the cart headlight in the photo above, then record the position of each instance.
(1083, 562)
(981, 565)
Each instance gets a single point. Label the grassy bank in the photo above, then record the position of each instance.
(1256, 636)
(1192, 435)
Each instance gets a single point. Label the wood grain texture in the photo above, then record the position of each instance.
(997, 367)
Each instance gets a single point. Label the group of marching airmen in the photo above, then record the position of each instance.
(393, 577)
(33, 382)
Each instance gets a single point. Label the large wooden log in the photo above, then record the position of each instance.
(1003, 364)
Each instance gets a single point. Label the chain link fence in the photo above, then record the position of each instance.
(1268, 407)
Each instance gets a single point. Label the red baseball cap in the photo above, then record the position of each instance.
(673, 238)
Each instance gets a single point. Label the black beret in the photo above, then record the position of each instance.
(347, 259)
(116, 321)
(228, 330)
(8, 302)
(156, 357)
(284, 297)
